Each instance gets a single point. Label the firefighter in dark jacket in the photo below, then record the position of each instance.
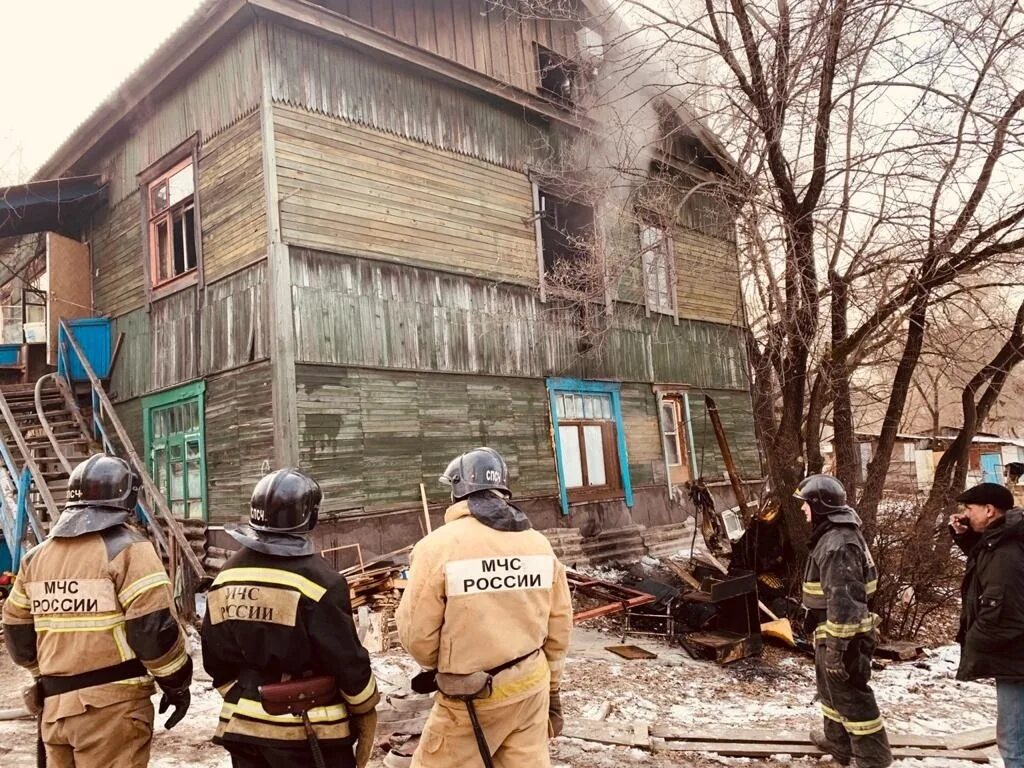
(991, 635)
(277, 612)
(91, 616)
(839, 579)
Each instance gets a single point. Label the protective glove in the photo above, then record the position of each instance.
(32, 697)
(555, 721)
(834, 666)
(179, 699)
(364, 728)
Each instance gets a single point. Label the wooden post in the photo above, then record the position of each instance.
(426, 510)
(730, 465)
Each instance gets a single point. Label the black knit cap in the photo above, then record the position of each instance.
(997, 495)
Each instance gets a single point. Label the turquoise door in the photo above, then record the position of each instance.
(991, 468)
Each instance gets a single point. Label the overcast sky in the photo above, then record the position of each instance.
(62, 58)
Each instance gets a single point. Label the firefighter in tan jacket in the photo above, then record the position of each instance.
(90, 615)
(487, 594)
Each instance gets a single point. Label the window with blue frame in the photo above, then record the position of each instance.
(175, 446)
(590, 445)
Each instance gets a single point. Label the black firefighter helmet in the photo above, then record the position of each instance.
(284, 508)
(482, 469)
(824, 493)
(102, 493)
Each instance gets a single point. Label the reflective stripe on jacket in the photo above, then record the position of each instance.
(270, 619)
(93, 601)
(839, 579)
(478, 598)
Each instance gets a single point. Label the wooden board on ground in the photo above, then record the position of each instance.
(977, 739)
(765, 736)
(631, 652)
(619, 734)
(750, 742)
(754, 749)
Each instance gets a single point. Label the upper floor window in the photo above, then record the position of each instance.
(559, 76)
(566, 235)
(172, 223)
(656, 251)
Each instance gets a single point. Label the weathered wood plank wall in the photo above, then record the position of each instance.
(175, 342)
(231, 205)
(708, 279)
(332, 80)
(371, 436)
(225, 90)
(344, 187)
(239, 438)
(738, 421)
(115, 242)
(471, 32)
(231, 200)
(351, 311)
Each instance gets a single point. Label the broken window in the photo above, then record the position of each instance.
(172, 223)
(656, 253)
(670, 420)
(567, 235)
(558, 76)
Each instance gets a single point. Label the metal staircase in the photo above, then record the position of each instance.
(45, 430)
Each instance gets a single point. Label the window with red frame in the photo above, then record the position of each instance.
(172, 224)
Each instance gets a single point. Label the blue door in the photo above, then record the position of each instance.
(991, 468)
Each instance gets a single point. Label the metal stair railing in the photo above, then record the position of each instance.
(102, 407)
(29, 463)
(16, 511)
(44, 422)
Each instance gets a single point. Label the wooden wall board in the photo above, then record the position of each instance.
(346, 187)
(239, 439)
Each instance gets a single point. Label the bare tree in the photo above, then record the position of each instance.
(865, 148)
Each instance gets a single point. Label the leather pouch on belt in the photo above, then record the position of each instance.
(476, 685)
(298, 696)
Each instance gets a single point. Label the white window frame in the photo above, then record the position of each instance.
(657, 254)
(674, 405)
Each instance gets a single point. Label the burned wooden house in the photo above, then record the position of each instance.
(314, 234)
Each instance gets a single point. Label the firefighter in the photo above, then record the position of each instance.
(91, 617)
(278, 612)
(839, 578)
(487, 594)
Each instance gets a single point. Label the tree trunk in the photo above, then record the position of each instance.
(878, 468)
(844, 441)
(951, 472)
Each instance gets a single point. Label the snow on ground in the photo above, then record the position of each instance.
(776, 691)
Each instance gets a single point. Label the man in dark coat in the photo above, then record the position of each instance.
(991, 635)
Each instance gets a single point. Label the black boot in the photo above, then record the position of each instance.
(841, 755)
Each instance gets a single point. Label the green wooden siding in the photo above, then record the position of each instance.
(370, 437)
(738, 422)
(239, 438)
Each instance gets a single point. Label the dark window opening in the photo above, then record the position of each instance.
(559, 76)
(567, 234)
(172, 222)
